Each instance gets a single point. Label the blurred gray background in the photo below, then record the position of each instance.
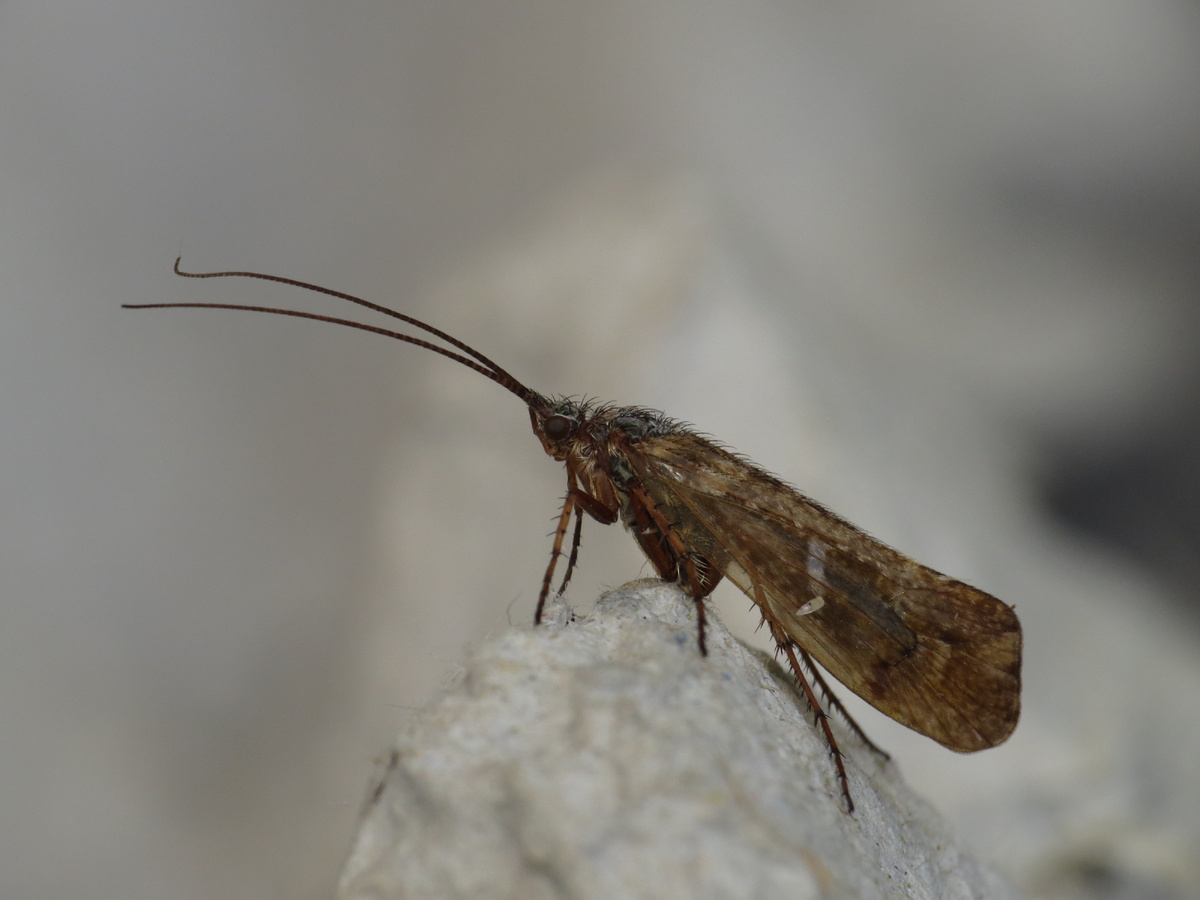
(933, 262)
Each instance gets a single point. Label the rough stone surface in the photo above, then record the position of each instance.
(604, 757)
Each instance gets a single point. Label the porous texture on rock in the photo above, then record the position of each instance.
(605, 758)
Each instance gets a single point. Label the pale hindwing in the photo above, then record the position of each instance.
(934, 654)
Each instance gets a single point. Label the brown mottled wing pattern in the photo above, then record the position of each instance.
(935, 654)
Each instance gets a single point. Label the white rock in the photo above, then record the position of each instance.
(604, 757)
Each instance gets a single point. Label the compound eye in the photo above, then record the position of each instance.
(558, 427)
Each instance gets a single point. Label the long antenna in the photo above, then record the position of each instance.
(488, 368)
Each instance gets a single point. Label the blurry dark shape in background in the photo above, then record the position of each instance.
(1137, 491)
(1141, 498)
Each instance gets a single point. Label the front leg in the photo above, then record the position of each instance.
(575, 501)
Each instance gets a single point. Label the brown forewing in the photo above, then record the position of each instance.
(937, 655)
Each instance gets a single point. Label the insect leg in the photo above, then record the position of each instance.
(560, 532)
(786, 644)
(574, 551)
(650, 538)
(597, 509)
(834, 703)
(700, 625)
(674, 561)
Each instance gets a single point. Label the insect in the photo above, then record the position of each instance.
(937, 655)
